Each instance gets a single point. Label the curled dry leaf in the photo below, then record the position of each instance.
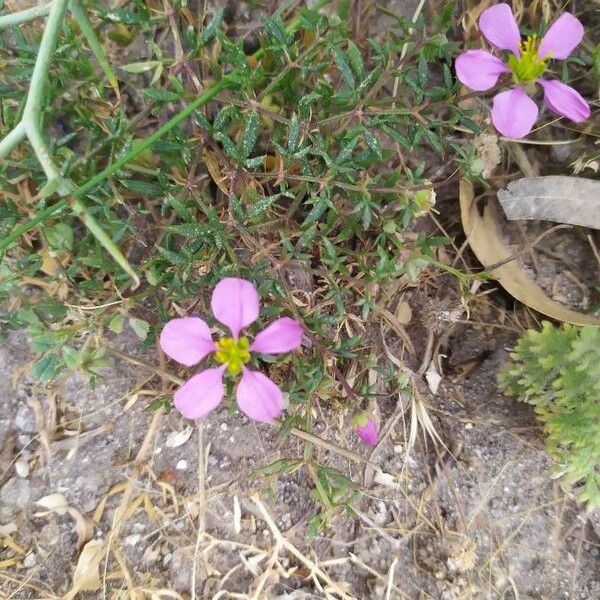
(486, 240)
(87, 572)
(572, 200)
(178, 438)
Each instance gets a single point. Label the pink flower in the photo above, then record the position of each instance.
(365, 428)
(188, 340)
(513, 111)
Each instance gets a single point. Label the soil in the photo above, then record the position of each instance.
(480, 518)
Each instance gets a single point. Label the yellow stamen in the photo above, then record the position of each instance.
(233, 353)
(528, 67)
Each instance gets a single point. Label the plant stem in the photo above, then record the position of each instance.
(83, 21)
(24, 16)
(32, 111)
(12, 139)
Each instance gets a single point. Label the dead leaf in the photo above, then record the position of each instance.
(572, 200)
(178, 438)
(211, 161)
(403, 312)
(54, 503)
(87, 572)
(486, 241)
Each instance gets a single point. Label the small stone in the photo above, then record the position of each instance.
(468, 425)
(22, 468)
(182, 465)
(133, 539)
(30, 560)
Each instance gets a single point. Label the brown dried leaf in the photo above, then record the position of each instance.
(486, 241)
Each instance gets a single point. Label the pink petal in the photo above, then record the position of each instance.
(235, 303)
(368, 433)
(479, 70)
(514, 113)
(282, 335)
(564, 100)
(186, 340)
(498, 25)
(259, 397)
(562, 38)
(200, 394)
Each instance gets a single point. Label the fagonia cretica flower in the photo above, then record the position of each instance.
(513, 111)
(188, 340)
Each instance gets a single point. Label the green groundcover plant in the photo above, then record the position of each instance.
(556, 370)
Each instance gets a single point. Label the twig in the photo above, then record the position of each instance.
(282, 542)
(201, 503)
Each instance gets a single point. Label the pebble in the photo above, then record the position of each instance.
(182, 465)
(30, 560)
(22, 468)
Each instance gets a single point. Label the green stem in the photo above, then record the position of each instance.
(12, 139)
(83, 21)
(24, 16)
(33, 106)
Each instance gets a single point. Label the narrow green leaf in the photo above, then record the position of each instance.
(251, 132)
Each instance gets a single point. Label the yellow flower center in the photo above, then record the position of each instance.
(233, 353)
(528, 67)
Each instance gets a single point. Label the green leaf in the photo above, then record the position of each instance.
(46, 368)
(161, 95)
(293, 134)
(210, 31)
(275, 30)
(343, 67)
(117, 323)
(60, 237)
(356, 60)
(140, 327)
(373, 143)
(250, 135)
(71, 357)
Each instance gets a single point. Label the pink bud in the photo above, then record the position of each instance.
(365, 428)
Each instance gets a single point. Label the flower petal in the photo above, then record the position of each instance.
(368, 433)
(235, 303)
(259, 397)
(562, 38)
(200, 394)
(479, 70)
(186, 340)
(514, 113)
(564, 100)
(282, 335)
(498, 25)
